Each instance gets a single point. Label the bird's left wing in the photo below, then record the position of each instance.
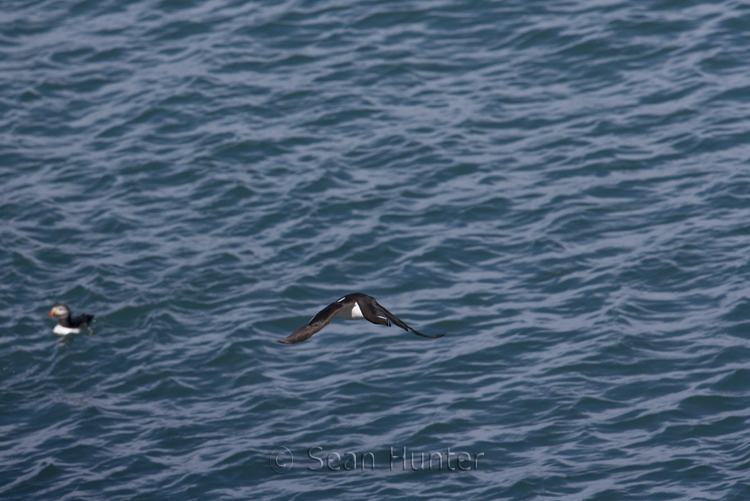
(319, 321)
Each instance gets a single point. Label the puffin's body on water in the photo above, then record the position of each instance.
(67, 324)
(355, 306)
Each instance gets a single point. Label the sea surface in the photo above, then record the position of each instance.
(562, 188)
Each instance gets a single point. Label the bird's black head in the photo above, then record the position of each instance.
(61, 311)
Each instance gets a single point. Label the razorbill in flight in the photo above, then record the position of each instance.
(355, 306)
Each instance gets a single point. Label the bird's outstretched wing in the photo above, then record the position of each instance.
(397, 321)
(319, 321)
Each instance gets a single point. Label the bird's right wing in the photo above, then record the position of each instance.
(397, 321)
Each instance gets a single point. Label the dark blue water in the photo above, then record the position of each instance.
(562, 188)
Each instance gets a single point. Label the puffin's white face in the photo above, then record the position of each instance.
(59, 311)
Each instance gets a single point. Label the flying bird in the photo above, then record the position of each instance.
(355, 306)
(67, 324)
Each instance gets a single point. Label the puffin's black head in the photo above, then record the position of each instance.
(60, 310)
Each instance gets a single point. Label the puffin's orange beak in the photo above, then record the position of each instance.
(51, 313)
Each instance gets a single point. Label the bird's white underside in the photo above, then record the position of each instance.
(63, 331)
(353, 313)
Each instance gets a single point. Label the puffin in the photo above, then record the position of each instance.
(67, 324)
(356, 306)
